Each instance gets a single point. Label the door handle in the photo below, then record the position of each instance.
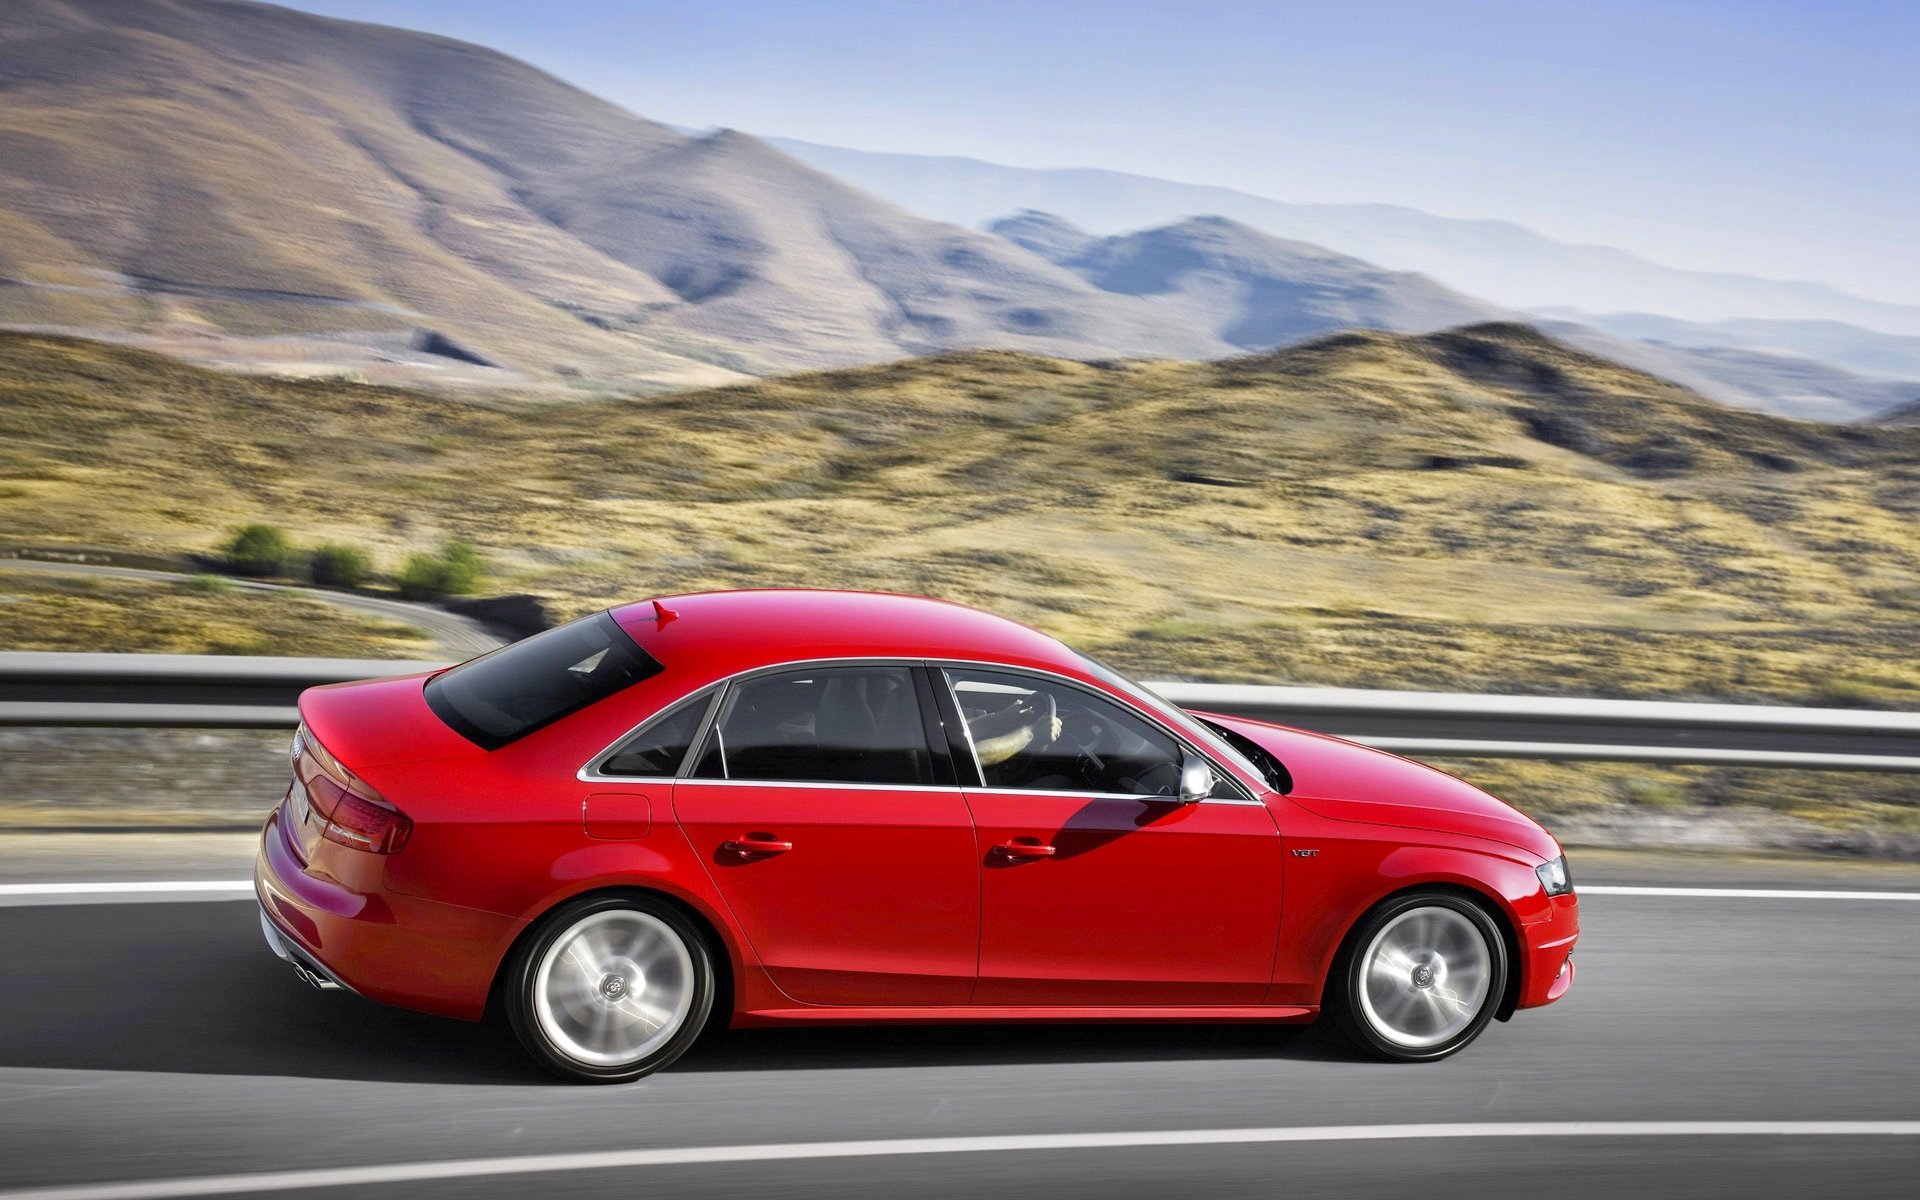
(756, 845)
(1025, 850)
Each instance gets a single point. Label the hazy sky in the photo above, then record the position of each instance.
(1746, 135)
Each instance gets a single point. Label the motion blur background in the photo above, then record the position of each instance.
(1528, 349)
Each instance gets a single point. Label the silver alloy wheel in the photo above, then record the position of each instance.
(1425, 976)
(613, 988)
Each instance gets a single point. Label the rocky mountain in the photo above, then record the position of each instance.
(1786, 384)
(1502, 262)
(1250, 290)
(201, 171)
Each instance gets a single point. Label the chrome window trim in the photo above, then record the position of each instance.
(591, 772)
(587, 773)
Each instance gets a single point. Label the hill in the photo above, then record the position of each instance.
(1249, 289)
(1502, 262)
(199, 172)
(1479, 509)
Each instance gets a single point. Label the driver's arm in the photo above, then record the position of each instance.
(998, 736)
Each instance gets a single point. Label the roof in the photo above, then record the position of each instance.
(721, 633)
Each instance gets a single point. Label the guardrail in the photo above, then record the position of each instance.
(177, 690)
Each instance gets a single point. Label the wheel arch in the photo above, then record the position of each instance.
(1485, 899)
(720, 948)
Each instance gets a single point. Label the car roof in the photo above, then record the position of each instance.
(729, 632)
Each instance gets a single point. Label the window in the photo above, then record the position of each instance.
(1043, 735)
(824, 725)
(504, 696)
(662, 746)
(1203, 733)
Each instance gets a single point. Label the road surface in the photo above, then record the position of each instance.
(144, 1041)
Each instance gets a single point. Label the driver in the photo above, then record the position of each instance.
(1006, 739)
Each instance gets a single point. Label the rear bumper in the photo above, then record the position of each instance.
(1546, 953)
(397, 949)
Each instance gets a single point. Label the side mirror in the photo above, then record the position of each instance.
(1196, 780)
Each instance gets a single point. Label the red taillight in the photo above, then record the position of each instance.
(350, 813)
(367, 825)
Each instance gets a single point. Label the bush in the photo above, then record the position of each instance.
(260, 550)
(212, 585)
(339, 566)
(455, 571)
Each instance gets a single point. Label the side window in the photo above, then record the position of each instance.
(1043, 735)
(662, 746)
(826, 725)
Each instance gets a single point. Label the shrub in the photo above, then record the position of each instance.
(260, 550)
(339, 566)
(212, 585)
(455, 571)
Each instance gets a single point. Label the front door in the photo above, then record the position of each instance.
(1097, 886)
(846, 858)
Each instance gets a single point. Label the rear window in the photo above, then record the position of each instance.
(508, 694)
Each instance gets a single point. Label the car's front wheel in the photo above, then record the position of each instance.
(610, 988)
(1420, 977)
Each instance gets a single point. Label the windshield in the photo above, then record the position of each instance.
(506, 695)
(1200, 732)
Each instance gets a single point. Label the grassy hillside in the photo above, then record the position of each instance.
(1480, 509)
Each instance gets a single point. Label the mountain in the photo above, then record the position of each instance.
(1248, 289)
(1776, 383)
(1907, 415)
(1502, 262)
(204, 172)
(1849, 347)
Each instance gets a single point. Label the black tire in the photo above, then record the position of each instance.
(1365, 1022)
(540, 1022)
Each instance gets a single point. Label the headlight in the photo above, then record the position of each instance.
(1554, 876)
(299, 745)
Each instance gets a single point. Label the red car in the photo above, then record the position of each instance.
(800, 806)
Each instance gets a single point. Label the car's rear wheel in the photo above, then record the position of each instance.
(610, 988)
(1420, 977)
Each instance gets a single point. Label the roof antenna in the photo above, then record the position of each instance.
(662, 614)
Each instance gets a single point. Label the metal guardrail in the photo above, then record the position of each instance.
(173, 690)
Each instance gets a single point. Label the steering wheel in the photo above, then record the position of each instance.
(1092, 767)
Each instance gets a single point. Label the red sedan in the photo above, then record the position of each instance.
(797, 806)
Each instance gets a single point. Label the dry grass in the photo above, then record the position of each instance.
(1482, 511)
(65, 612)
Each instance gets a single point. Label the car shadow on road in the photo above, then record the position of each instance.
(192, 988)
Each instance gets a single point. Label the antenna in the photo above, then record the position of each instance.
(662, 614)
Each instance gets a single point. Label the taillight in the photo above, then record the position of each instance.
(374, 826)
(352, 813)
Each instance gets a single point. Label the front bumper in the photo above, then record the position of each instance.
(397, 949)
(1546, 952)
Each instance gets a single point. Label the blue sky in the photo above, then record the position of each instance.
(1755, 136)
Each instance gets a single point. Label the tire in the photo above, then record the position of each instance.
(610, 988)
(1419, 977)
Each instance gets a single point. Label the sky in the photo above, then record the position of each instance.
(1757, 136)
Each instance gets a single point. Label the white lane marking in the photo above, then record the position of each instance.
(152, 891)
(531, 1164)
(156, 887)
(1742, 893)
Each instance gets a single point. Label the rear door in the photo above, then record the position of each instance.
(833, 828)
(1097, 886)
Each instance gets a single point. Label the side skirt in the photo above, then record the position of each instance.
(961, 1014)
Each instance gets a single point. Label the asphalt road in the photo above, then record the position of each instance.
(143, 1041)
(455, 637)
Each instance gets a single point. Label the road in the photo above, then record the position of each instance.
(455, 637)
(148, 1041)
